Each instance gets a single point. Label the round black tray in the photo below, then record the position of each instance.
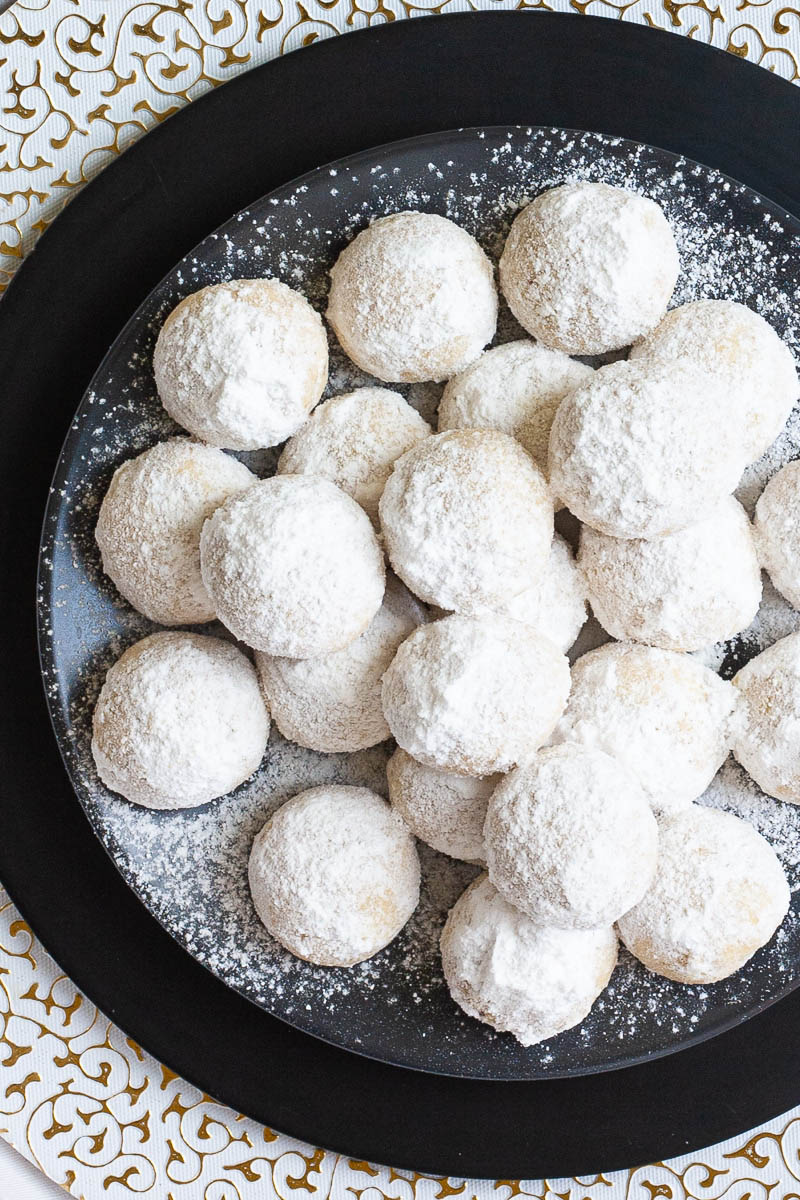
(88, 274)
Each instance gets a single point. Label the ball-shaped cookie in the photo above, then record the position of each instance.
(777, 531)
(644, 449)
(588, 267)
(354, 440)
(570, 838)
(557, 606)
(756, 368)
(179, 721)
(767, 742)
(412, 298)
(443, 809)
(668, 718)
(718, 895)
(533, 981)
(682, 591)
(148, 528)
(332, 702)
(515, 388)
(293, 566)
(334, 875)
(474, 695)
(241, 364)
(467, 520)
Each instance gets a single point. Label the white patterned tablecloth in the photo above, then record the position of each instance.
(80, 80)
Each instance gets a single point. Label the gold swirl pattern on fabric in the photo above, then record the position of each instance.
(102, 1118)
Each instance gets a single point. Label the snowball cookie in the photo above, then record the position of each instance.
(644, 449)
(241, 364)
(334, 875)
(530, 980)
(588, 267)
(293, 566)
(515, 388)
(570, 838)
(756, 368)
(332, 702)
(149, 526)
(767, 742)
(467, 519)
(412, 298)
(474, 695)
(680, 592)
(443, 809)
(665, 716)
(777, 531)
(557, 606)
(718, 895)
(179, 721)
(354, 440)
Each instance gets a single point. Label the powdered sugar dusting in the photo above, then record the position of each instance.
(190, 867)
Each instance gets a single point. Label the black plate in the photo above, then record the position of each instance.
(190, 868)
(102, 257)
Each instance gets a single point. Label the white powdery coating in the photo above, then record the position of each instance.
(557, 607)
(680, 592)
(179, 721)
(519, 977)
(644, 449)
(240, 364)
(467, 520)
(777, 531)
(756, 369)
(148, 528)
(570, 838)
(588, 268)
(474, 695)
(768, 737)
(667, 717)
(443, 809)
(334, 875)
(332, 703)
(293, 566)
(719, 895)
(413, 298)
(515, 388)
(354, 440)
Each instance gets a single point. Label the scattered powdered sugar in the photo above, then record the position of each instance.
(190, 867)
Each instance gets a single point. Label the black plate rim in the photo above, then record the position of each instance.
(659, 1110)
(46, 582)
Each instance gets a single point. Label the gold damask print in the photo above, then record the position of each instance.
(81, 79)
(101, 1117)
